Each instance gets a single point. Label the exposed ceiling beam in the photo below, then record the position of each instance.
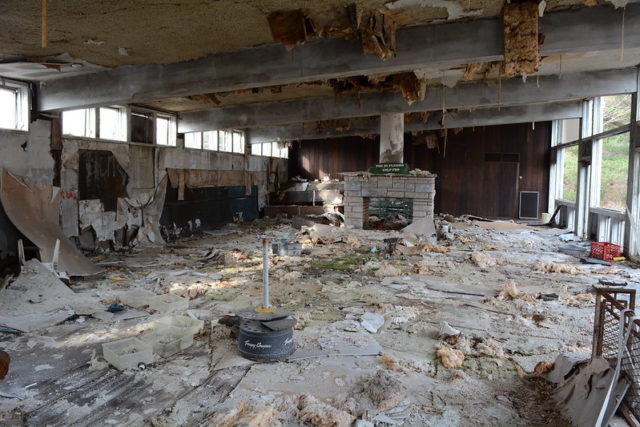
(453, 119)
(428, 46)
(464, 96)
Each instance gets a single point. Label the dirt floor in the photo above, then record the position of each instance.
(485, 282)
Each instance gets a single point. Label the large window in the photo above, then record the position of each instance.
(79, 122)
(14, 106)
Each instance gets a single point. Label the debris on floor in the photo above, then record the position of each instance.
(474, 317)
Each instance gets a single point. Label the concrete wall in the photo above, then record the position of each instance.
(146, 166)
(27, 154)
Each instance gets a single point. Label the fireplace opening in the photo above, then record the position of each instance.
(389, 213)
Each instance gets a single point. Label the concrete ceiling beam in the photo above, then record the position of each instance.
(463, 96)
(453, 119)
(433, 47)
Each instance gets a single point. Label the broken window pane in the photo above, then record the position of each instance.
(79, 122)
(142, 127)
(614, 171)
(193, 140)
(570, 173)
(113, 123)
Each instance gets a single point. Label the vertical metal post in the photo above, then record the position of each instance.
(265, 274)
(633, 178)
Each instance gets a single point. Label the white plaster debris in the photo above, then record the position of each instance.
(372, 321)
(370, 349)
(455, 10)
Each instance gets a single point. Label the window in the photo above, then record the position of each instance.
(266, 149)
(225, 141)
(142, 126)
(616, 111)
(238, 142)
(569, 130)
(614, 171)
(193, 140)
(210, 140)
(270, 149)
(113, 123)
(166, 130)
(79, 122)
(570, 173)
(14, 105)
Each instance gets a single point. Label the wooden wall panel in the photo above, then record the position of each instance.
(313, 159)
(466, 183)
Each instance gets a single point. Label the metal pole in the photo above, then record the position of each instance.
(265, 274)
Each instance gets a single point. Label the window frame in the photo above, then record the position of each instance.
(22, 104)
(90, 127)
(125, 123)
(172, 129)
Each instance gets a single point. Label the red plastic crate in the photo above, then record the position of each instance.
(605, 251)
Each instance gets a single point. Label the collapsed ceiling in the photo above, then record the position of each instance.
(116, 33)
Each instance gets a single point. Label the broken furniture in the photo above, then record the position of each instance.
(266, 332)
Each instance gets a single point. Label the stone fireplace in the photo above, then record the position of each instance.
(361, 186)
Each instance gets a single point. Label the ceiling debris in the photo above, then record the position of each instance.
(471, 69)
(521, 43)
(288, 27)
(375, 30)
(412, 88)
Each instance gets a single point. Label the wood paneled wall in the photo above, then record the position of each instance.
(476, 170)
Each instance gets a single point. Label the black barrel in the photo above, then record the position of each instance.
(257, 342)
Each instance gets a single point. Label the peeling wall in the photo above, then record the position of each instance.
(146, 166)
(27, 154)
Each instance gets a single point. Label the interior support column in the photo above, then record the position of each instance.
(583, 190)
(391, 137)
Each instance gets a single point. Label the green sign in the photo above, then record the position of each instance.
(382, 168)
